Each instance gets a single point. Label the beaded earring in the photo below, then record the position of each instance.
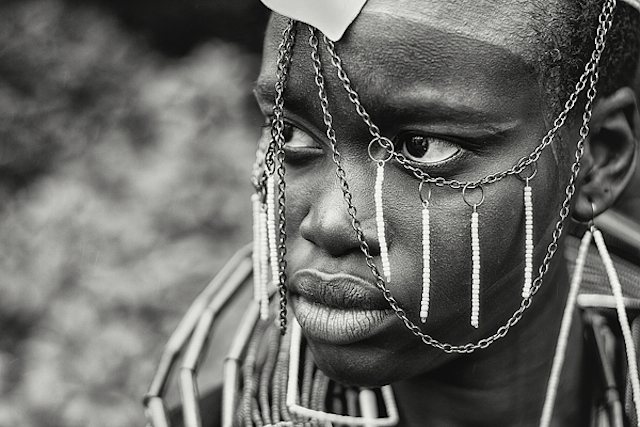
(567, 317)
(377, 195)
(475, 252)
(426, 251)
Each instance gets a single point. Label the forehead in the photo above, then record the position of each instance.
(399, 25)
(472, 55)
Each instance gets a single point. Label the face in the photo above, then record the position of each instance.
(450, 86)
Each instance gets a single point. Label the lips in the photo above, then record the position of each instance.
(337, 308)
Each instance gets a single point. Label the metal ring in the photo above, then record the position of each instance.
(387, 145)
(425, 200)
(527, 178)
(472, 186)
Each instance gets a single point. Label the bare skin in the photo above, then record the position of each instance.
(461, 83)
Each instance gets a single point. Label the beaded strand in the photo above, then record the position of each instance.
(528, 242)
(257, 250)
(382, 240)
(426, 255)
(475, 272)
(263, 272)
(274, 259)
(563, 336)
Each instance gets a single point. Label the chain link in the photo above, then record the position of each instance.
(590, 75)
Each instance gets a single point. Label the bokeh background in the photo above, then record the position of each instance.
(127, 134)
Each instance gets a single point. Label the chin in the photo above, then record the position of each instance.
(368, 364)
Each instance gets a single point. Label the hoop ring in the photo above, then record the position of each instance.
(425, 200)
(534, 173)
(385, 144)
(471, 186)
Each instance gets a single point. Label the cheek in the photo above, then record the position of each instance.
(502, 247)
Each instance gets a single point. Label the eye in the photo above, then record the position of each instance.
(425, 149)
(296, 138)
(299, 146)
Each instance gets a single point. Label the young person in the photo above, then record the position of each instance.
(413, 185)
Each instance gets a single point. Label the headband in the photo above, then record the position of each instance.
(333, 17)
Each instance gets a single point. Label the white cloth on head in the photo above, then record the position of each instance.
(332, 17)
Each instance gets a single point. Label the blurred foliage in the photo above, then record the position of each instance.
(192, 21)
(124, 185)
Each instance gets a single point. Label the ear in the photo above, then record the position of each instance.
(610, 154)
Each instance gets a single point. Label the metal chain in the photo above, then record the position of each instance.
(275, 161)
(591, 73)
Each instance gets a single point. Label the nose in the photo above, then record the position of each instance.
(329, 225)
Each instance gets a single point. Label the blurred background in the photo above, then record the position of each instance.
(127, 134)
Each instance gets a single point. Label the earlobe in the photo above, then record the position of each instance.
(610, 154)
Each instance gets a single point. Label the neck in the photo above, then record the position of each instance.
(505, 384)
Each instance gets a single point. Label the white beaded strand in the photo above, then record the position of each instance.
(563, 336)
(475, 251)
(264, 263)
(528, 241)
(271, 230)
(616, 288)
(475, 272)
(426, 255)
(256, 255)
(426, 265)
(382, 240)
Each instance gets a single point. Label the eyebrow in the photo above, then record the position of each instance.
(435, 109)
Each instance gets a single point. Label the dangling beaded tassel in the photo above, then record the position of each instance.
(264, 262)
(528, 241)
(274, 259)
(382, 240)
(260, 256)
(475, 275)
(475, 254)
(528, 238)
(257, 255)
(426, 255)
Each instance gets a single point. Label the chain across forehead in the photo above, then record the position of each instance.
(274, 165)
